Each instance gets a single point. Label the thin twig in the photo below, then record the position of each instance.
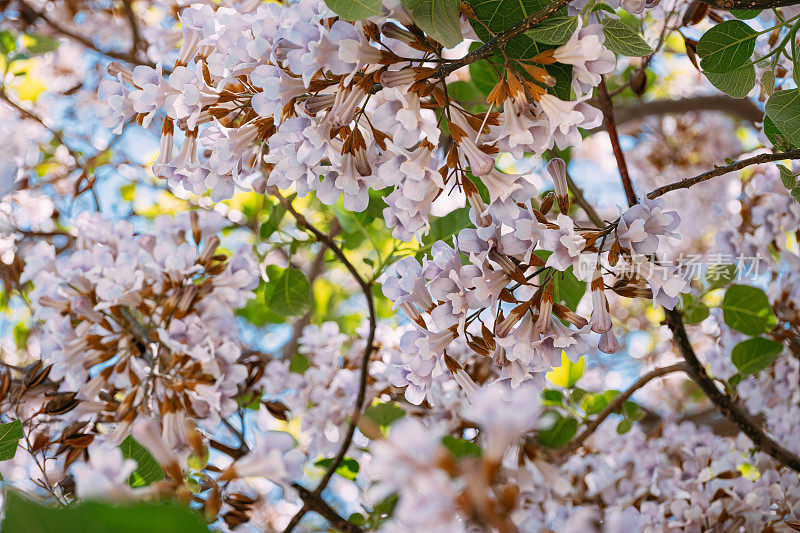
(66, 32)
(608, 114)
(59, 136)
(719, 171)
(741, 108)
(313, 273)
(618, 401)
(136, 36)
(722, 401)
(33, 116)
(313, 502)
(501, 39)
(577, 192)
(366, 288)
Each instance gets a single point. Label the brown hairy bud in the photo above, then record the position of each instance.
(639, 82)
(212, 505)
(613, 254)
(208, 251)
(547, 202)
(467, 10)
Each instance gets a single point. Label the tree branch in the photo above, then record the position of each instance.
(580, 199)
(136, 36)
(722, 401)
(66, 32)
(366, 288)
(313, 502)
(617, 402)
(742, 108)
(313, 273)
(608, 114)
(674, 321)
(719, 171)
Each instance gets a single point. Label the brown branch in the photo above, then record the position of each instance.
(580, 199)
(59, 136)
(366, 288)
(230, 451)
(501, 39)
(313, 502)
(742, 108)
(66, 32)
(33, 116)
(728, 5)
(722, 401)
(608, 115)
(313, 273)
(719, 171)
(136, 36)
(617, 402)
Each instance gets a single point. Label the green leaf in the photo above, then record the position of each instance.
(8, 43)
(348, 469)
(624, 426)
(256, 310)
(568, 373)
(355, 9)
(552, 397)
(299, 363)
(577, 395)
(386, 506)
(483, 75)
(440, 20)
(560, 434)
(496, 16)
(10, 434)
(632, 410)
(787, 178)
(718, 276)
(783, 108)
(25, 516)
(594, 404)
(291, 294)
(745, 14)
(464, 91)
(461, 448)
(276, 213)
(37, 43)
(747, 309)
(624, 40)
(736, 83)
(568, 289)
(694, 311)
(768, 82)
(727, 46)
(443, 228)
(147, 469)
(754, 355)
(555, 30)
(775, 136)
(357, 519)
(384, 414)
(796, 194)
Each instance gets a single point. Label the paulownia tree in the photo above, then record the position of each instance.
(413, 265)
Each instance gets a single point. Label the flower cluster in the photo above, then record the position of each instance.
(137, 325)
(292, 97)
(502, 299)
